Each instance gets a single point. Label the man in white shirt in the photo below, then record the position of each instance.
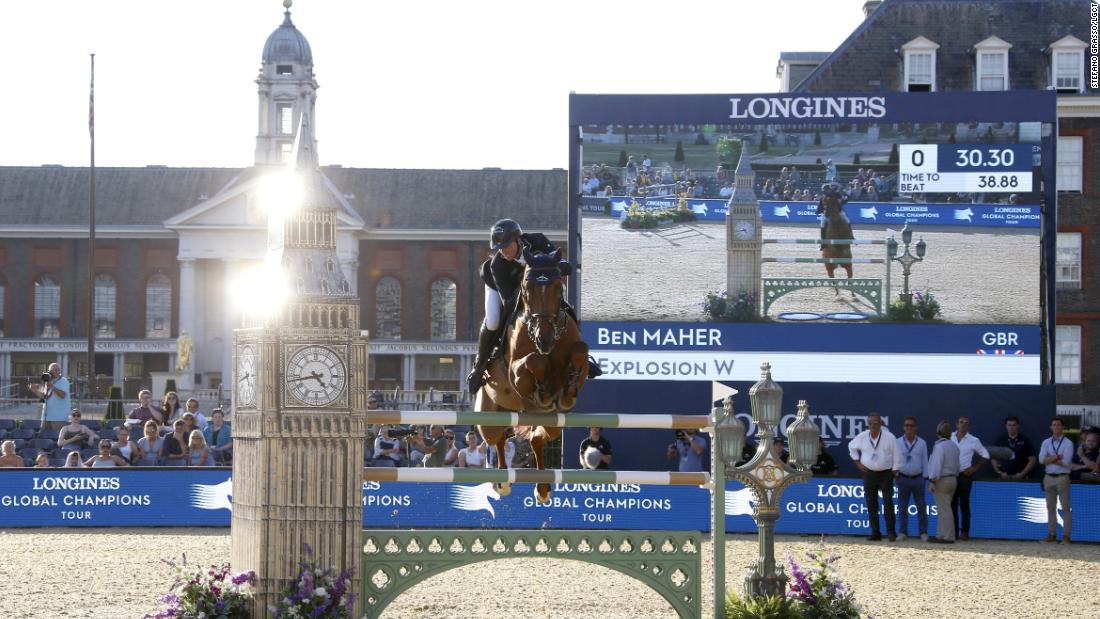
(972, 455)
(1056, 454)
(875, 453)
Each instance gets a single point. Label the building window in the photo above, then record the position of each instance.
(47, 307)
(284, 69)
(1067, 355)
(919, 65)
(1068, 261)
(1070, 168)
(387, 309)
(444, 310)
(106, 295)
(1, 309)
(991, 56)
(1067, 64)
(285, 150)
(284, 114)
(158, 307)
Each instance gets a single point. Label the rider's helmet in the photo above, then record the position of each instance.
(504, 232)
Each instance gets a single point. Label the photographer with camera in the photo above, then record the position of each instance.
(54, 393)
(434, 450)
(688, 448)
(387, 448)
(597, 442)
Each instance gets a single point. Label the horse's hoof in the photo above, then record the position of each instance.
(542, 493)
(503, 489)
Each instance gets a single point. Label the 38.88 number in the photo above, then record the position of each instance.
(993, 181)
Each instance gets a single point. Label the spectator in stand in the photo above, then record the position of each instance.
(595, 440)
(200, 454)
(219, 437)
(125, 449)
(105, 459)
(913, 452)
(943, 471)
(1022, 461)
(509, 454)
(608, 191)
(189, 422)
(1056, 454)
(972, 455)
(631, 168)
(387, 450)
(806, 196)
(796, 176)
(688, 451)
(825, 465)
(451, 459)
(76, 435)
(726, 191)
(54, 394)
(1086, 460)
(830, 171)
(473, 455)
(875, 453)
(42, 461)
(151, 444)
(646, 163)
(784, 175)
(72, 461)
(10, 459)
(193, 409)
(144, 410)
(173, 451)
(870, 194)
(170, 407)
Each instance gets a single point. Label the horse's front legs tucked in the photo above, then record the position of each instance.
(539, 437)
(577, 368)
(528, 374)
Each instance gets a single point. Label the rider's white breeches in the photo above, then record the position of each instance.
(494, 307)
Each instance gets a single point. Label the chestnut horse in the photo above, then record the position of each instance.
(837, 226)
(543, 365)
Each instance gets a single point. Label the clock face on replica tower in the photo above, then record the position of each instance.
(246, 376)
(315, 376)
(744, 230)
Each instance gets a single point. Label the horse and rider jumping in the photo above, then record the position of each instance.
(835, 225)
(542, 362)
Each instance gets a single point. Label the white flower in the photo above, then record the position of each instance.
(320, 592)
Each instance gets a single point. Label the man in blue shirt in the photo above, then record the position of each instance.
(688, 449)
(56, 402)
(1056, 454)
(910, 478)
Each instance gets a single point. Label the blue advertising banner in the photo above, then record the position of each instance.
(872, 213)
(201, 497)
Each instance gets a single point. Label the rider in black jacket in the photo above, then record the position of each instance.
(501, 273)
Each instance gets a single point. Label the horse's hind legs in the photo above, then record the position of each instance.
(539, 437)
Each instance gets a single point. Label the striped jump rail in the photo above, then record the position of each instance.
(790, 260)
(555, 420)
(825, 241)
(533, 476)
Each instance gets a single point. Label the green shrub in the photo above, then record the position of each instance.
(719, 307)
(679, 156)
(926, 305)
(623, 158)
(900, 311)
(817, 138)
(759, 607)
(764, 143)
(893, 154)
(728, 151)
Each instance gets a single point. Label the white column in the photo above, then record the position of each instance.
(231, 320)
(64, 361)
(117, 368)
(5, 368)
(408, 374)
(189, 318)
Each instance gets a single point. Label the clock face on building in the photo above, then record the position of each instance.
(744, 230)
(315, 376)
(246, 376)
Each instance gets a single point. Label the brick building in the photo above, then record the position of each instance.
(172, 242)
(966, 45)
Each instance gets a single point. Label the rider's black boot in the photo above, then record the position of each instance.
(594, 369)
(486, 339)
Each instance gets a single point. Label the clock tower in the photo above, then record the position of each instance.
(299, 394)
(743, 234)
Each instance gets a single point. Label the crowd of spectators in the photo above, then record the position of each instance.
(170, 435)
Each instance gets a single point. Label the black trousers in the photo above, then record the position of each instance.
(873, 483)
(960, 504)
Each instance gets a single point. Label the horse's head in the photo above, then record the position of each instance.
(541, 291)
(832, 200)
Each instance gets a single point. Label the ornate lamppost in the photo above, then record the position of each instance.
(907, 259)
(765, 474)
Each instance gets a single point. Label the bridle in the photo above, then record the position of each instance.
(535, 319)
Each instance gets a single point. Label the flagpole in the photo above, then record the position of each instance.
(91, 236)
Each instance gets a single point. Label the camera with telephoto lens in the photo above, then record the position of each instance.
(46, 377)
(681, 435)
(401, 432)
